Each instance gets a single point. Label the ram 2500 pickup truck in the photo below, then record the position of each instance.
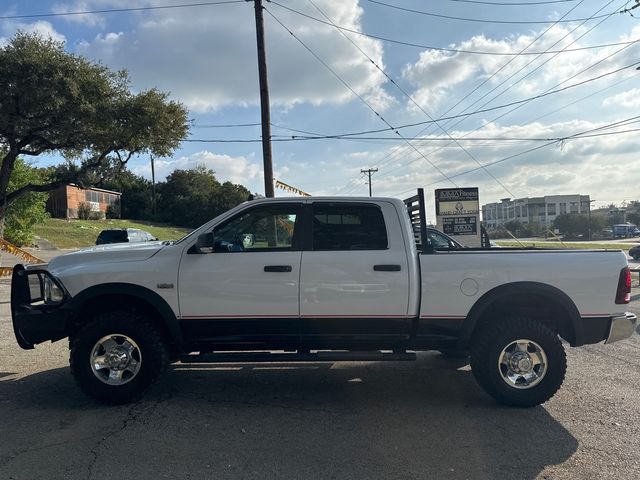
(321, 279)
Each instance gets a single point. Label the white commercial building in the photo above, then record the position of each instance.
(542, 210)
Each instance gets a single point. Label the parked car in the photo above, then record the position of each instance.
(634, 252)
(124, 235)
(321, 279)
(441, 241)
(624, 230)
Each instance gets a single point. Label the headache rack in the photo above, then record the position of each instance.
(418, 217)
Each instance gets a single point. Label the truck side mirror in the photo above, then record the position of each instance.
(204, 243)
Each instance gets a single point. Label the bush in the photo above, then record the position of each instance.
(84, 211)
(113, 210)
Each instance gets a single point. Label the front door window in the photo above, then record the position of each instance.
(262, 229)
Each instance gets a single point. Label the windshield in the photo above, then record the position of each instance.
(112, 236)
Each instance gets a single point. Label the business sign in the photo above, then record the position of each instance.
(458, 214)
(453, 226)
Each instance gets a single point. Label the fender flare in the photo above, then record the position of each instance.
(148, 296)
(573, 330)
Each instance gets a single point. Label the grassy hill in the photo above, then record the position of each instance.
(83, 233)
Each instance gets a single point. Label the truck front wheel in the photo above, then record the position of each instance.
(117, 356)
(519, 362)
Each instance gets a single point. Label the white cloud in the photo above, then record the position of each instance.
(227, 168)
(206, 56)
(436, 74)
(628, 99)
(603, 167)
(91, 20)
(41, 28)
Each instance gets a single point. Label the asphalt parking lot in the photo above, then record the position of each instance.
(369, 420)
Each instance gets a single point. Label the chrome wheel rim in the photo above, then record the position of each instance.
(115, 359)
(522, 364)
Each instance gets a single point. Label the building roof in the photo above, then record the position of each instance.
(95, 189)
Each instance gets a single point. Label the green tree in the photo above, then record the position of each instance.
(573, 225)
(192, 197)
(137, 199)
(616, 215)
(54, 101)
(29, 209)
(633, 212)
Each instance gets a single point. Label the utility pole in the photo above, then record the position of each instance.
(264, 102)
(369, 171)
(590, 202)
(153, 185)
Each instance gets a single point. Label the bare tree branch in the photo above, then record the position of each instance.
(34, 188)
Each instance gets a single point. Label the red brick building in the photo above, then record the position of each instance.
(63, 202)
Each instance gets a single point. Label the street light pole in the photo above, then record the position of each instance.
(153, 186)
(589, 210)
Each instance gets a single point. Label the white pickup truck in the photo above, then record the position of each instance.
(321, 279)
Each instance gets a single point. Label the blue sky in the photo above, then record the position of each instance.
(206, 57)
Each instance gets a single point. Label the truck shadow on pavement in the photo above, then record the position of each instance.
(424, 419)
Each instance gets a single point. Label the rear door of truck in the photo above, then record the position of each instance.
(354, 278)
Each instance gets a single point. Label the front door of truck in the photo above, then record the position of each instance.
(245, 293)
(354, 283)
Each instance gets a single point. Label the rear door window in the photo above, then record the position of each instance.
(348, 227)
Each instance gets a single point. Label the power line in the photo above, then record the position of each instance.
(510, 157)
(484, 110)
(443, 49)
(406, 94)
(533, 149)
(506, 64)
(119, 10)
(480, 20)
(426, 113)
(524, 66)
(394, 139)
(547, 60)
(509, 4)
(523, 103)
(356, 93)
(232, 125)
(608, 87)
(298, 131)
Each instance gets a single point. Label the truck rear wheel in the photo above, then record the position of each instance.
(519, 362)
(117, 356)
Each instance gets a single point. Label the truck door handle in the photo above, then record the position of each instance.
(387, 268)
(277, 268)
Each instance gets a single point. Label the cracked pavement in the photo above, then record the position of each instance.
(424, 419)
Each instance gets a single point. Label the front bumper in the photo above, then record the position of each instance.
(622, 327)
(36, 320)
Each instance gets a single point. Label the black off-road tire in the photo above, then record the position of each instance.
(487, 346)
(152, 347)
